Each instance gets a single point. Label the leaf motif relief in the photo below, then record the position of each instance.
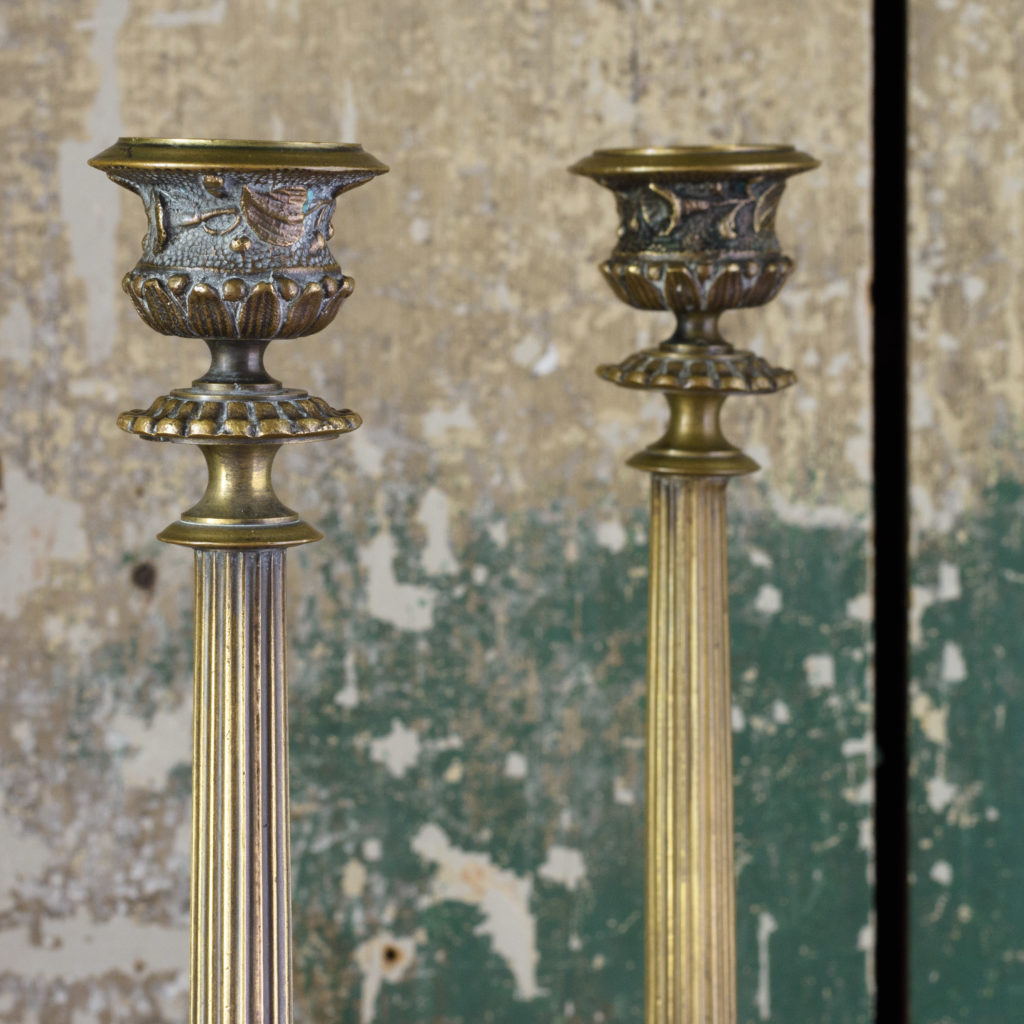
(675, 209)
(678, 207)
(767, 204)
(164, 313)
(304, 311)
(208, 315)
(260, 315)
(278, 216)
(727, 226)
(156, 208)
(322, 223)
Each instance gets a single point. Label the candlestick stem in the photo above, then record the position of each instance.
(697, 237)
(690, 904)
(241, 963)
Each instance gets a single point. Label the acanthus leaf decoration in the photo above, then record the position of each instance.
(156, 210)
(159, 221)
(767, 204)
(277, 216)
(727, 226)
(322, 221)
(675, 207)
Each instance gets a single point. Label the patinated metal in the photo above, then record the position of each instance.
(697, 237)
(236, 253)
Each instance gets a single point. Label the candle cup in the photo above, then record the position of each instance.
(696, 237)
(236, 253)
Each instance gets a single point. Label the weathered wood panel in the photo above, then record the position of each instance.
(967, 371)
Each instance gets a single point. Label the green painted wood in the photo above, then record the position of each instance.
(967, 776)
(468, 836)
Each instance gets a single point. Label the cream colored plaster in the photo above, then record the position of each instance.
(77, 948)
(966, 250)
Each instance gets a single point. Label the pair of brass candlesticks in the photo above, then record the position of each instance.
(236, 253)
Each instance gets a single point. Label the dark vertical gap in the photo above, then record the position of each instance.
(891, 581)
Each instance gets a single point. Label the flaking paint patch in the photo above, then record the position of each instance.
(204, 16)
(85, 197)
(149, 750)
(443, 420)
(768, 599)
(398, 751)
(384, 958)
(931, 718)
(611, 534)
(503, 896)
(25, 857)
(820, 671)
(940, 793)
(348, 695)
(867, 943)
(367, 453)
(563, 865)
(434, 516)
(77, 948)
(405, 605)
(767, 926)
(16, 333)
(37, 528)
(954, 668)
(353, 879)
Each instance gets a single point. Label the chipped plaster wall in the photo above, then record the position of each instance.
(967, 492)
(467, 656)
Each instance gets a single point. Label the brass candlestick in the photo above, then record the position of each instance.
(697, 237)
(236, 254)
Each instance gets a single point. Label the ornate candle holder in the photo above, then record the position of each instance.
(236, 254)
(697, 237)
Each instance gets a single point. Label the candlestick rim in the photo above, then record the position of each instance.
(239, 536)
(677, 462)
(236, 154)
(694, 161)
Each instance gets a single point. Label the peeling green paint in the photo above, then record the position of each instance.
(468, 798)
(967, 780)
(542, 657)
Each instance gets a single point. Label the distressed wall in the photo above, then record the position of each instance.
(467, 656)
(967, 491)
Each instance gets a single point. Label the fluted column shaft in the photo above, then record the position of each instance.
(696, 237)
(690, 901)
(241, 930)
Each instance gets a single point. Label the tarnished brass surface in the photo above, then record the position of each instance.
(697, 368)
(674, 162)
(238, 233)
(697, 227)
(227, 155)
(236, 254)
(241, 945)
(240, 508)
(697, 237)
(693, 443)
(690, 943)
(199, 414)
